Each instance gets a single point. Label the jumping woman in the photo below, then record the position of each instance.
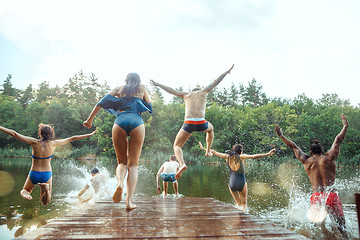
(42, 151)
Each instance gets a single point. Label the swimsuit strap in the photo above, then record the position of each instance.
(40, 158)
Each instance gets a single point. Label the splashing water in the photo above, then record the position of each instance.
(295, 215)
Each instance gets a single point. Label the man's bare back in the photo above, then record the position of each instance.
(321, 170)
(195, 103)
(320, 167)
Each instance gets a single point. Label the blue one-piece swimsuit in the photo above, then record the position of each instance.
(237, 178)
(131, 107)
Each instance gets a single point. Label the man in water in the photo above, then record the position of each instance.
(167, 173)
(321, 170)
(195, 103)
(97, 181)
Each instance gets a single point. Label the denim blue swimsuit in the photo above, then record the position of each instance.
(131, 107)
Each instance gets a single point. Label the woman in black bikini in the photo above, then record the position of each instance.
(42, 150)
(237, 182)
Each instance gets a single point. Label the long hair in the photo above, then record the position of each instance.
(46, 132)
(316, 148)
(132, 85)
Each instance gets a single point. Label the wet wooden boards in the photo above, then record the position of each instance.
(161, 218)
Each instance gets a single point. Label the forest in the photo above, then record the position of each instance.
(241, 114)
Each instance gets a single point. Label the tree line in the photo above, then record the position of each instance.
(241, 113)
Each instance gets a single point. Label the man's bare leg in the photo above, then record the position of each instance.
(176, 187)
(165, 185)
(45, 195)
(179, 142)
(209, 139)
(121, 171)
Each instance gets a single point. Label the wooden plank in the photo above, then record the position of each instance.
(161, 218)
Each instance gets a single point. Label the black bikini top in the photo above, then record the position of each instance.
(40, 158)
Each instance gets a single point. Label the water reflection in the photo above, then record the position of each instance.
(278, 193)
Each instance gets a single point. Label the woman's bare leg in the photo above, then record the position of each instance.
(120, 142)
(27, 189)
(136, 141)
(45, 191)
(243, 197)
(236, 196)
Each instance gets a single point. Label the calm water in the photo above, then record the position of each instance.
(278, 193)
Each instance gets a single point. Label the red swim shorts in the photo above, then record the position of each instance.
(333, 202)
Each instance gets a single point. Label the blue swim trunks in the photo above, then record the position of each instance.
(168, 177)
(39, 177)
(195, 125)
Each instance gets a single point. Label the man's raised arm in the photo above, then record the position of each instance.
(300, 155)
(169, 89)
(335, 148)
(218, 80)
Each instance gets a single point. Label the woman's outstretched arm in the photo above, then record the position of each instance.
(88, 122)
(73, 138)
(259, 155)
(17, 135)
(221, 155)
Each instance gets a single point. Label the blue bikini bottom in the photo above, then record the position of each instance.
(39, 177)
(129, 121)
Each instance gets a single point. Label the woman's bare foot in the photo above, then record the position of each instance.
(130, 206)
(25, 194)
(118, 194)
(181, 170)
(44, 186)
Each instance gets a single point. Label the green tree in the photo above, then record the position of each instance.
(8, 88)
(252, 94)
(26, 96)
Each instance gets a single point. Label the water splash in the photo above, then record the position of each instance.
(294, 215)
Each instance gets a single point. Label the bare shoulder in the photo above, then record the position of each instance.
(116, 91)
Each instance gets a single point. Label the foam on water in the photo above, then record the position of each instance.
(294, 215)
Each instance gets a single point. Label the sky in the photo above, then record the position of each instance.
(290, 47)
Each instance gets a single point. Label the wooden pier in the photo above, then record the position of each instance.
(161, 218)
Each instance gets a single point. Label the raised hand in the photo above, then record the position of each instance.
(344, 120)
(278, 130)
(201, 146)
(230, 69)
(154, 83)
(272, 151)
(87, 124)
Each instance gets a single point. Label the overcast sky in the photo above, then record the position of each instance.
(289, 47)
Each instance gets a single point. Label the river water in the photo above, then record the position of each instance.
(278, 193)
